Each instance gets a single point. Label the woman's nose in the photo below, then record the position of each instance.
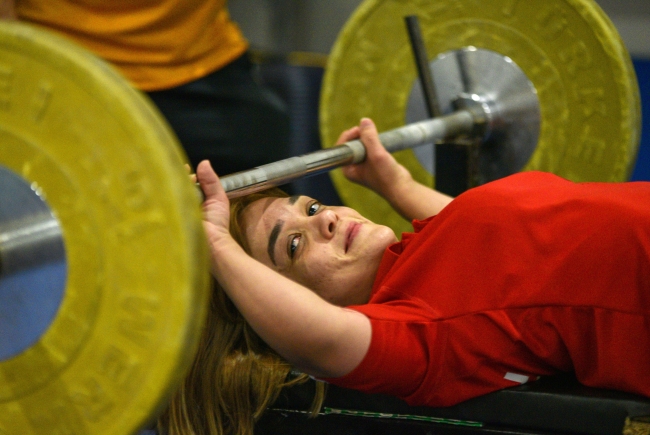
(326, 221)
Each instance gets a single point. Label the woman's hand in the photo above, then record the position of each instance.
(383, 174)
(216, 209)
(379, 171)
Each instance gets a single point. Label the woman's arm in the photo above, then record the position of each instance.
(381, 173)
(317, 337)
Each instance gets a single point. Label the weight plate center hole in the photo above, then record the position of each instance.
(33, 266)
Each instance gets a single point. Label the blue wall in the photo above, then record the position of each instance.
(642, 168)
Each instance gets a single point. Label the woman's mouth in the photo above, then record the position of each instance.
(350, 234)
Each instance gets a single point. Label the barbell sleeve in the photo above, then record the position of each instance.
(401, 138)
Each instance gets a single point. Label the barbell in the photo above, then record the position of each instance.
(103, 263)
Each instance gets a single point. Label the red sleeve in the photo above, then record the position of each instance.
(404, 348)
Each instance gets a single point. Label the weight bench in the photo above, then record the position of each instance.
(553, 405)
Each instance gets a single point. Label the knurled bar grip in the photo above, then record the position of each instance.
(293, 168)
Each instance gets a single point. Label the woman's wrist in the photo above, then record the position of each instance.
(397, 186)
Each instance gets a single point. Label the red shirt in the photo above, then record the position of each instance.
(525, 276)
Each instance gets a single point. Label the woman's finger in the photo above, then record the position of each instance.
(369, 136)
(348, 135)
(209, 181)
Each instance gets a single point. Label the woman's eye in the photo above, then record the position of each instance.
(313, 208)
(293, 245)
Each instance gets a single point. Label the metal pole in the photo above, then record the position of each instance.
(422, 63)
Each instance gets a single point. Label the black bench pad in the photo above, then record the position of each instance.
(554, 405)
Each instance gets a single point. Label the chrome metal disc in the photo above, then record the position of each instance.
(483, 77)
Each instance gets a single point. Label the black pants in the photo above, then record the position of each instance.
(227, 118)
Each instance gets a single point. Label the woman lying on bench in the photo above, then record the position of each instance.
(526, 276)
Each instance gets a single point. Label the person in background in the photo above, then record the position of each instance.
(193, 62)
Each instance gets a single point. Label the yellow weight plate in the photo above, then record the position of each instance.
(569, 50)
(137, 262)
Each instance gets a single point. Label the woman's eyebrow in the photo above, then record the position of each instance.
(272, 239)
(275, 232)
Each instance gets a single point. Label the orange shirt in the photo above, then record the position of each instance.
(156, 44)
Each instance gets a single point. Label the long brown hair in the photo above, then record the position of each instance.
(235, 376)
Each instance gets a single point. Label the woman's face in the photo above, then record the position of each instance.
(333, 251)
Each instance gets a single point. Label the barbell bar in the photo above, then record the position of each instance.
(462, 122)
